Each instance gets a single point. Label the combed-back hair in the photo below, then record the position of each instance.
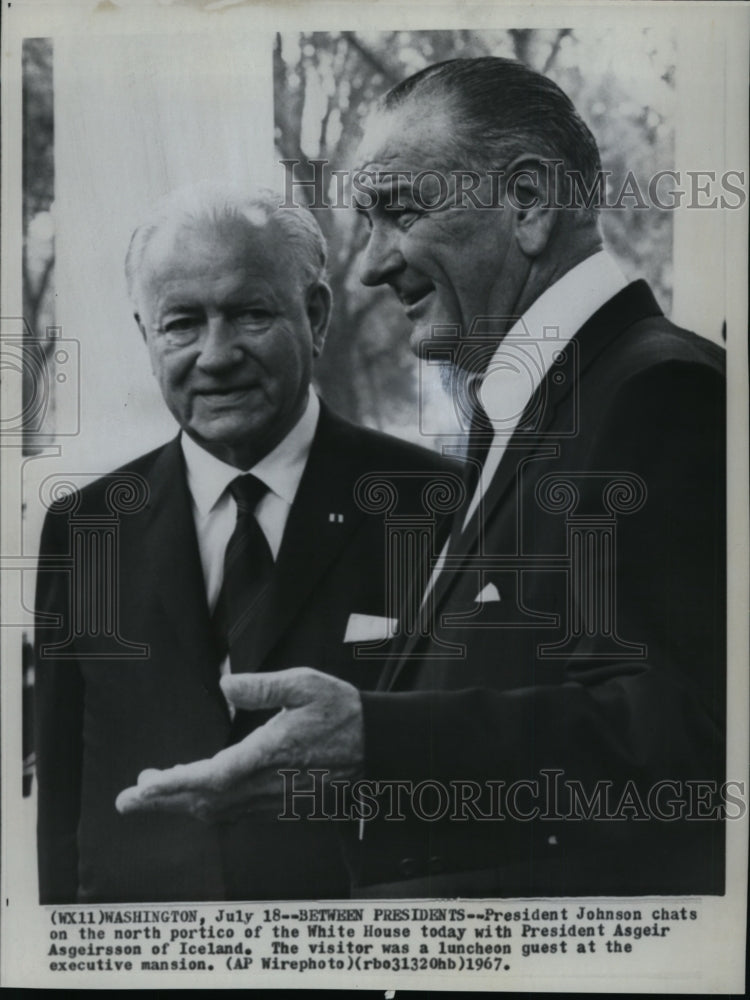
(499, 109)
(218, 205)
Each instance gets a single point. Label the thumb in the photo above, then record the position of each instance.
(281, 689)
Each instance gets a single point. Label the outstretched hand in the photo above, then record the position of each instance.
(320, 726)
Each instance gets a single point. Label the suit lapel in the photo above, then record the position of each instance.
(322, 519)
(175, 561)
(632, 304)
(463, 542)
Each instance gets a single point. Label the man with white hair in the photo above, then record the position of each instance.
(242, 547)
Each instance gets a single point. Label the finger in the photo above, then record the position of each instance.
(259, 794)
(150, 775)
(206, 778)
(153, 791)
(177, 789)
(263, 799)
(127, 800)
(153, 784)
(280, 689)
(138, 799)
(181, 803)
(205, 787)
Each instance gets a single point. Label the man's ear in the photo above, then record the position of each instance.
(530, 195)
(319, 303)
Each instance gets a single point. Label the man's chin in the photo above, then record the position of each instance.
(238, 444)
(231, 428)
(421, 335)
(428, 330)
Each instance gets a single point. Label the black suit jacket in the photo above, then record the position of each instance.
(127, 672)
(603, 532)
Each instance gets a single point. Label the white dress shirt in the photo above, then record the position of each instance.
(214, 509)
(526, 354)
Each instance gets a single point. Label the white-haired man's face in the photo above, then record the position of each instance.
(231, 330)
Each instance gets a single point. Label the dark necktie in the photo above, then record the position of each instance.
(248, 564)
(480, 438)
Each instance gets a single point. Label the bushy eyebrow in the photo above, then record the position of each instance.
(244, 297)
(168, 308)
(389, 194)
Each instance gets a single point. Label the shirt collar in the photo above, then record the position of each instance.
(562, 309)
(281, 469)
(574, 298)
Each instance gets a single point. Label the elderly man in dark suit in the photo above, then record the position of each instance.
(564, 703)
(238, 546)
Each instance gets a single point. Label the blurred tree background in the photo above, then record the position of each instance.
(38, 177)
(38, 165)
(324, 85)
(38, 182)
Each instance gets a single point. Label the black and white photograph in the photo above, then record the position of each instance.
(374, 549)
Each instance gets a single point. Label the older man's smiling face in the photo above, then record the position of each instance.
(231, 329)
(449, 265)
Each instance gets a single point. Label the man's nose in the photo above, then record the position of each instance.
(220, 348)
(382, 258)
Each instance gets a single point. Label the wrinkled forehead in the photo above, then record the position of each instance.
(192, 252)
(419, 131)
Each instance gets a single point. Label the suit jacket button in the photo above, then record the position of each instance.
(408, 867)
(435, 865)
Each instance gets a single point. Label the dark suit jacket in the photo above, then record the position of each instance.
(604, 658)
(106, 709)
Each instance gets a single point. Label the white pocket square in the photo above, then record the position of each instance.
(369, 628)
(487, 594)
